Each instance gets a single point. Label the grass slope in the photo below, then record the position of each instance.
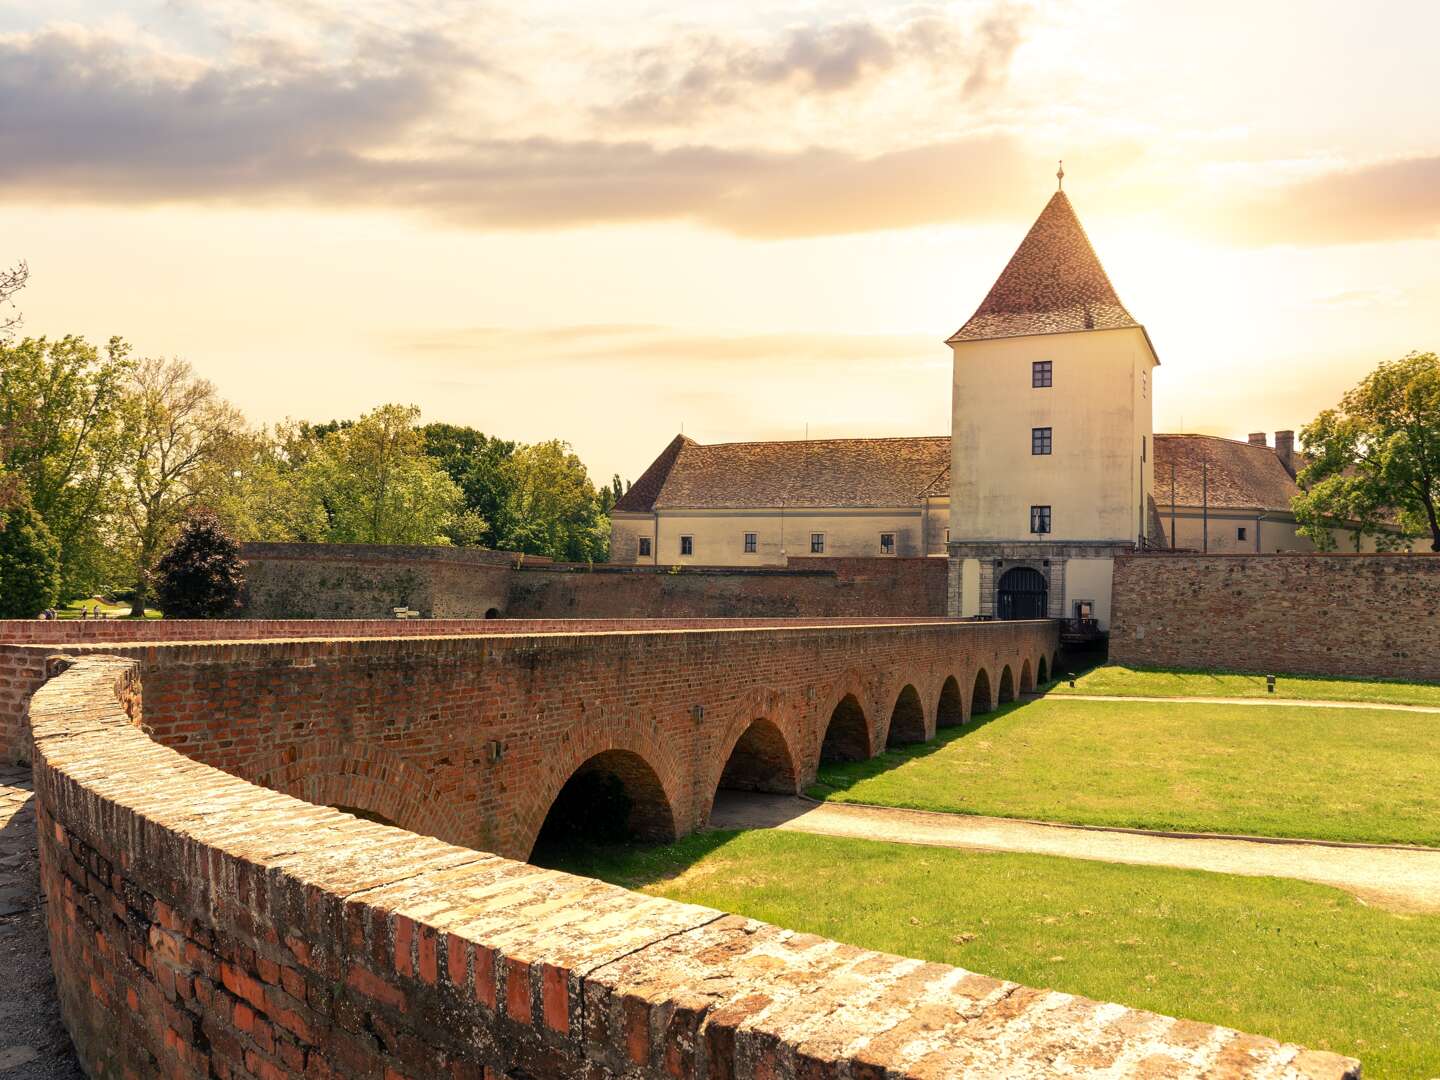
(1132, 682)
(1281, 958)
(1335, 774)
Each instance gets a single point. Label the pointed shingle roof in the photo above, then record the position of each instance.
(1053, 284)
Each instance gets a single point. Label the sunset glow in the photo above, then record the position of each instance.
(543, 222)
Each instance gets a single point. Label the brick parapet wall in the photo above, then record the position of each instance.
(204, 927)
(21, 671)
(1304, 614)
(406, 727)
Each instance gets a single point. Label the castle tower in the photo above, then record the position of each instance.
(1051, 473)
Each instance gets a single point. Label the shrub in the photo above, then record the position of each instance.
(29, 563)
(201, 576)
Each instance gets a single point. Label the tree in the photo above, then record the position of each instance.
(201, 575)
(552, 506)
(180, 448)
(29, 563)
(11, 282)
(475, 462)
(62, 406)
(376, 484)
(1375, 460)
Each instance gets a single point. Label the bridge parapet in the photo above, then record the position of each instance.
(201, 925)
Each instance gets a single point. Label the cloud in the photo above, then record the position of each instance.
(1383, 201)
(98, 117)
(693, 74)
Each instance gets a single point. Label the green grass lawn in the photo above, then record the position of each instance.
(1335, 774)
(1281, 958)
(1131, 682)
(110, 611)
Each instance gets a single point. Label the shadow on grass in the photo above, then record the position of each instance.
(836, 776)
(636, 864)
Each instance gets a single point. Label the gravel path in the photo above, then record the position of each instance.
(1304, 703)
(1395, 877)
(33, 1043)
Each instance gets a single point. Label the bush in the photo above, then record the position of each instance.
(201, 576)
(29, 563)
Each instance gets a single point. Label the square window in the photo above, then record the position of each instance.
(1041, 373)
(749, 543)
(1039, 519)
(1040, 440)
(817, 543)
(644, 545)
(887, 543)
(1240, 532)
(687, 545)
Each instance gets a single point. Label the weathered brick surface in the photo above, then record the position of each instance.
(1303, 614)
(205, 927)
(21, 671)
(290, 581)
(407, 728)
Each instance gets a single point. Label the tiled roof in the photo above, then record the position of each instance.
(1053, 284)
(1237, 474)
(816, 472)
(901, 471)
(641, 495)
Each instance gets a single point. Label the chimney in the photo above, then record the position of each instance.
(1285, 450)
(1257, 438)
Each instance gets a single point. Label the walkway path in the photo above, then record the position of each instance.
(1304, 703)
(1395, 877)
(33, 1044)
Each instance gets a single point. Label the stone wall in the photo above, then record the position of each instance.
(1303, 614)
(306, 581)
(359, 581)
(471, 738)
(203, 927)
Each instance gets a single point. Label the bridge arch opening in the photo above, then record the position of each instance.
(950, 709)
(1007, 685)
(1042, 673)
(612, 797)
(847, 736)
(981, 700)
(907, 719)
(1027, 679)
(760, 761)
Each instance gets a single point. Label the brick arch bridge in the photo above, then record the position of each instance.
(471, 738)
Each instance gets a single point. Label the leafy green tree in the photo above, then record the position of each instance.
(201, 574)
(1375, 460)
(180, 448)
(377, 485)
(62, 409)
(29, 563)
(553, 508)
(475, 462)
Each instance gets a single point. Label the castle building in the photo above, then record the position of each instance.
(1052, 467)
(1052, 462)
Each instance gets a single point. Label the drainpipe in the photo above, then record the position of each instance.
(1205, 507)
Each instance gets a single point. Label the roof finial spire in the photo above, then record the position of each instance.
(1060, 177)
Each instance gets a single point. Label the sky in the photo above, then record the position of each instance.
(612, 222)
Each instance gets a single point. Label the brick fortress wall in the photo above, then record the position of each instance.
(288, 581)
(471, 738)
(22, 670)
(204, 927)
(1304, 614)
